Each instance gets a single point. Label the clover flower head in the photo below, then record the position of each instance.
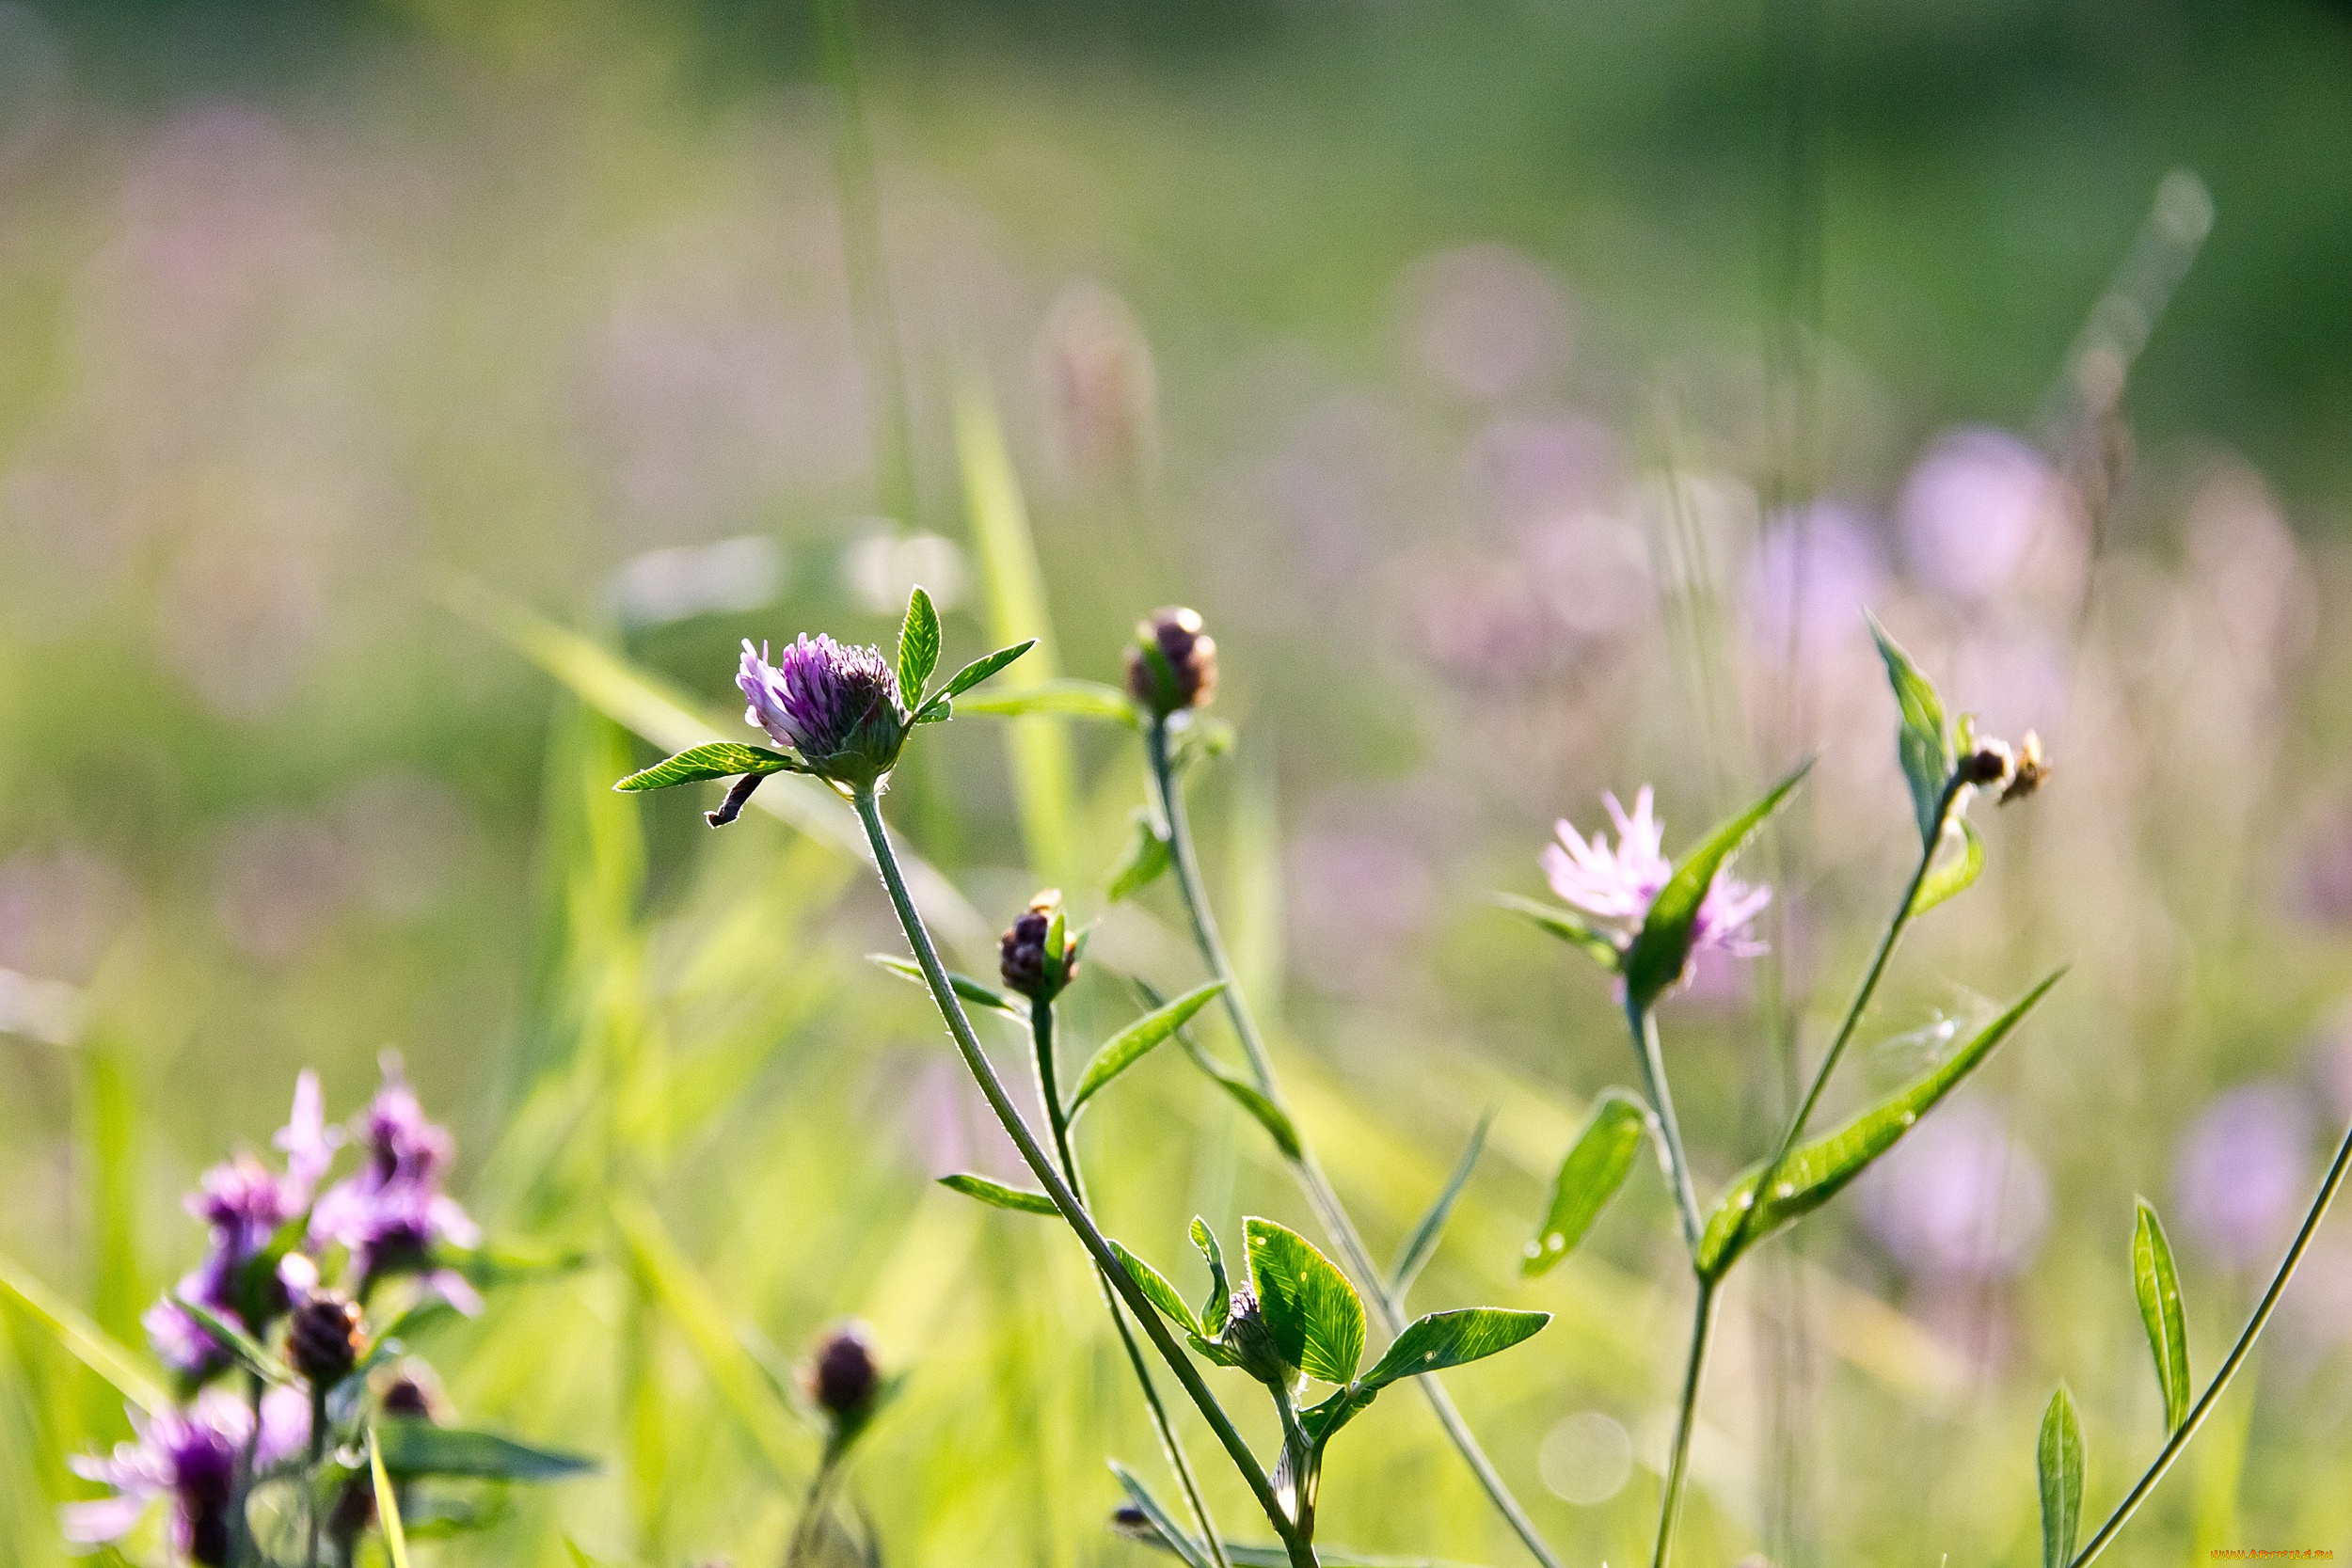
(838, 706)
(244, 1204)
(189, 1457)
(391, 1213)
(1616, 886)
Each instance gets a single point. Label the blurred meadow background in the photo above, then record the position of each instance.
(1529, 397)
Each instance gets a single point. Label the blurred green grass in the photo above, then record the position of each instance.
(309, 305)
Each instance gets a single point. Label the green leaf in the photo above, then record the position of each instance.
(1924, 741)
(1015, 1198)
(1160, 1527)
(1443, 1339)
(919, 647)
(1590, 1173)
(1959, 861)
(1815, 1171)
(580, 1558)
(387, 1506)
(1064, 699)
(1313, 1313)
(414, 1448)
(981, 668)
(724, 759)
(1423, 1241)
(1130, 1044)
(81, 1339)
(1567, 925)
(2157, 1285)
(1164, 1295)
(249, 1353)
(2058, 1462)
(963, 985)
(1147, 859)
(1662, 949)
(1220, 1300)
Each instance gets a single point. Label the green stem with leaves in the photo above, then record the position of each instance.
(2238, 1352)
(318, 1459)
(1653, 1068)
(1057, 1190)
(1057, 1122)
(1312, 1182)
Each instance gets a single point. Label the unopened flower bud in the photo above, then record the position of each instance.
(1128, 1519)
(413, 1393)
(1026, 964)
(1171, 664)
(843, 1376)
(1252, 1345)
(1988, 764)
(324, 1338)
(2032, 767)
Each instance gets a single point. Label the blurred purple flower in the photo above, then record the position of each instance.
(391, 1213)
(1358, 903)
(1960, 1199)
(1486, 321)
(1812, 575)
(59, 909)
(1615, 886)
(281, 878)
(244, 1204)
(838, 706)
(189, 1457)
(2241, 1176)
(1973, 510)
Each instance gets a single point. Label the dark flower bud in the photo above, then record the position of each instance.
(414, 1393)
(324, 1338)
(1130, 1520)
(1251, 1343)
(843, 1376)
(1027, 962)
(1171, 664)
(2033, 766)
(1988, 764)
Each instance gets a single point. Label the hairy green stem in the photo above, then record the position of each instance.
(1312, 1182)
(1644, 1023)
(1041, 1165)
(2238, 1352)
(1057, 1121)
(1677, 1465)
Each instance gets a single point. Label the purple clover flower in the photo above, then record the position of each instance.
(838, 706)
(1615, 886)
(391, 1213)
(190, 1457)
(244, 1204)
